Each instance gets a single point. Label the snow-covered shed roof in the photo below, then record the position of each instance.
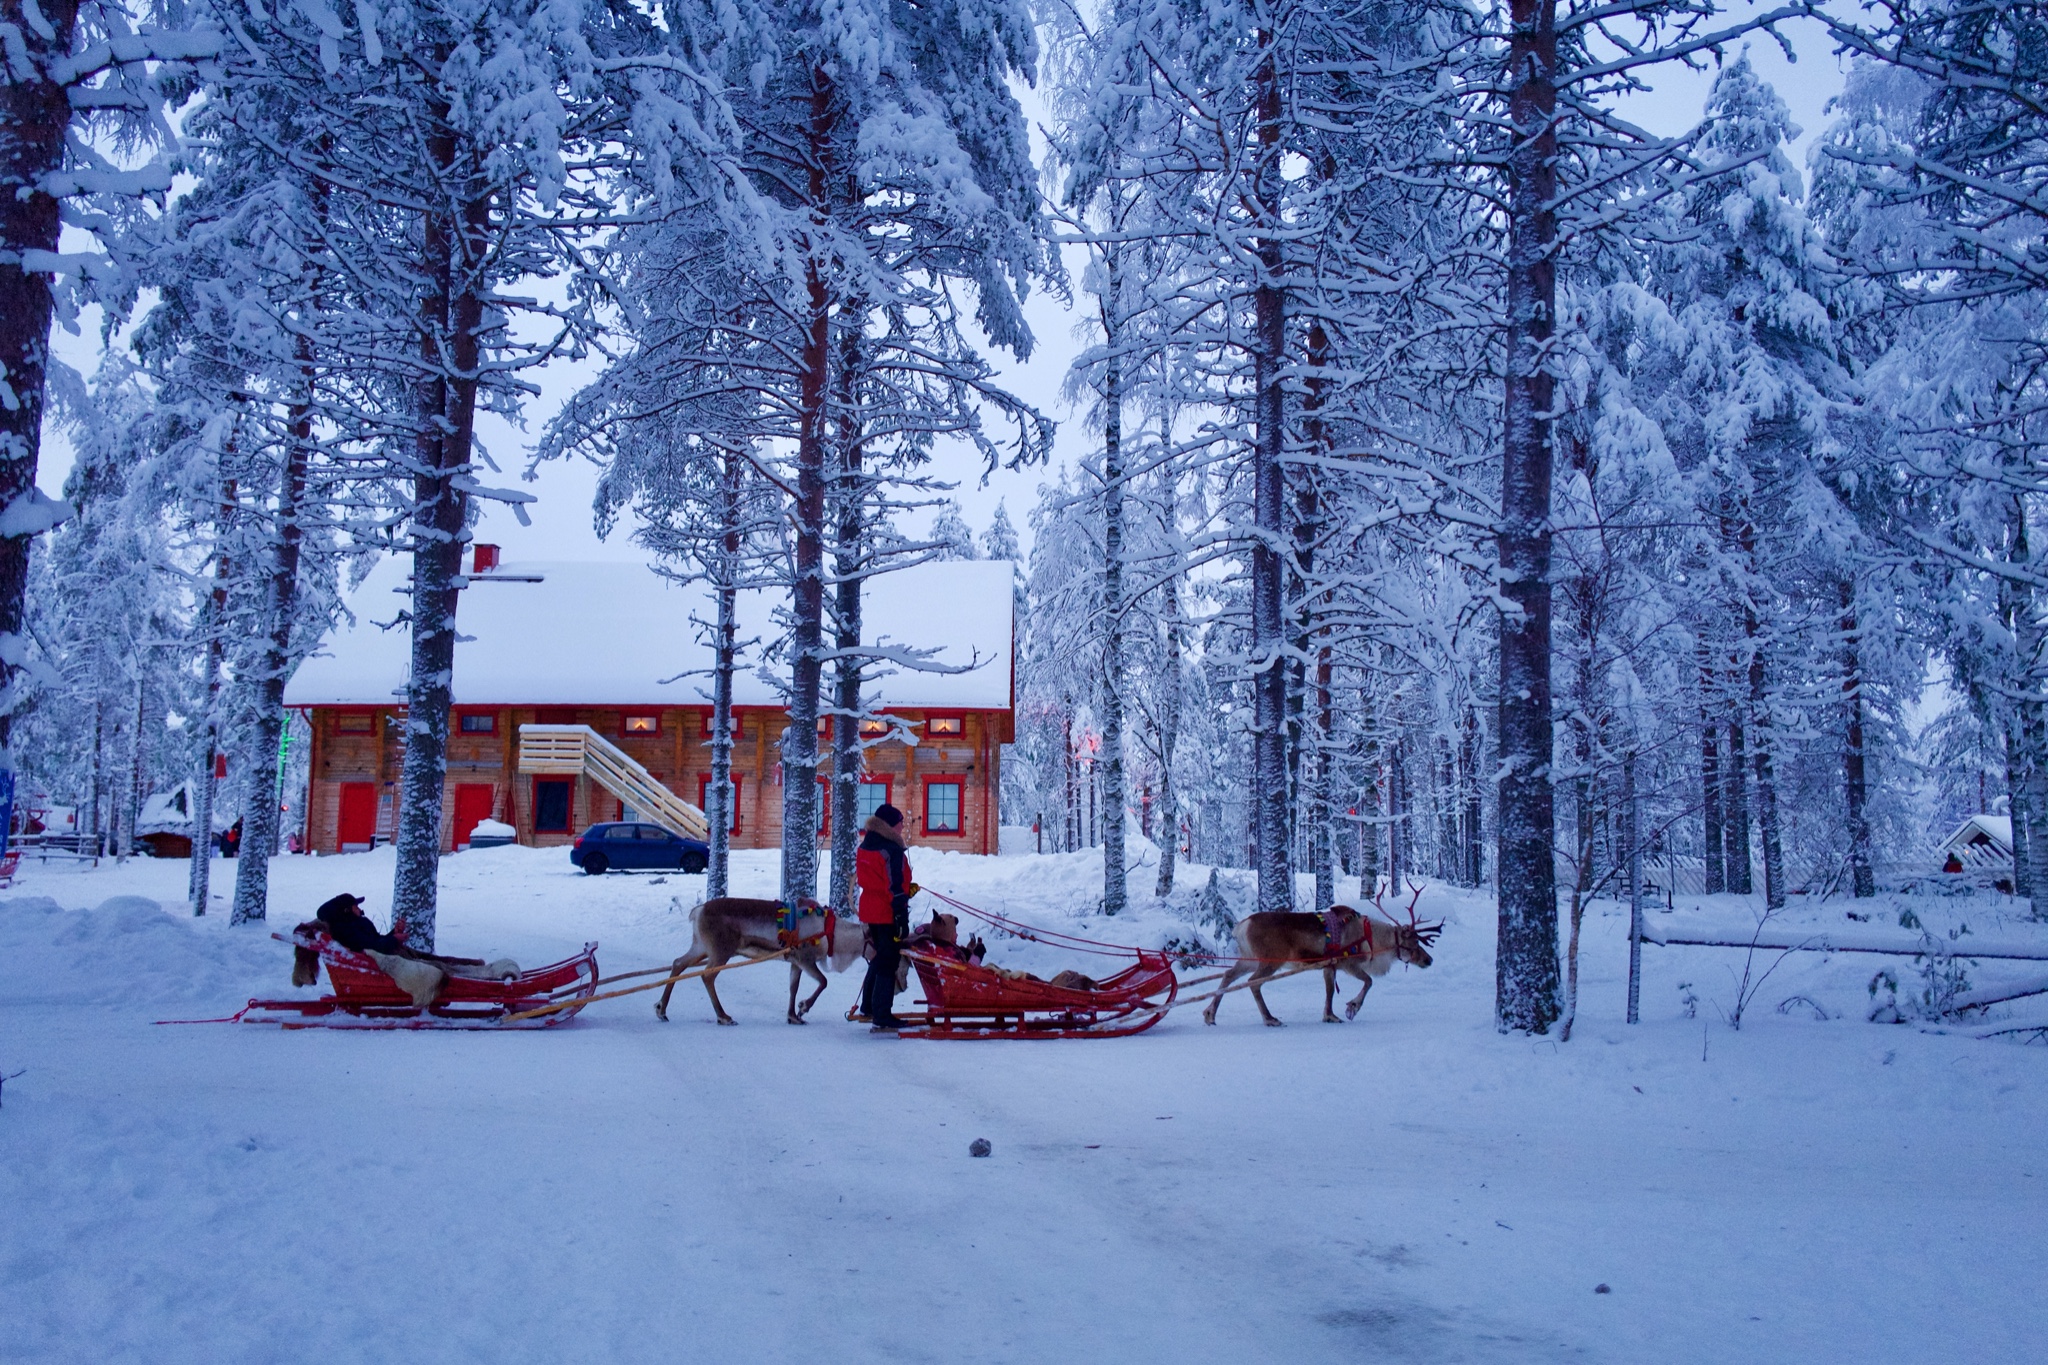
(1981, 837)
(609, 634)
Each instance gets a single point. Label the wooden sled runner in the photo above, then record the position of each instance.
(364, 997)
(965, 1001)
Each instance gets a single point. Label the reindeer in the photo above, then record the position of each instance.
(731, 926)
(1366, 946)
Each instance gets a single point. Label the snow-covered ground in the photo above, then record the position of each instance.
(1410, 1187)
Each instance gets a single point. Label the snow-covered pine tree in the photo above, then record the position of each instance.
(81, 74)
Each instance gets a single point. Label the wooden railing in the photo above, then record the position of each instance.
(583, 752)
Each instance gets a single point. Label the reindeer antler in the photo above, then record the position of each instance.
(1425, 934)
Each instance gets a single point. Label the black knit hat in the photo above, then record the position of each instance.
(888, 814)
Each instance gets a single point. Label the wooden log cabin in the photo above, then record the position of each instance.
(617, 648)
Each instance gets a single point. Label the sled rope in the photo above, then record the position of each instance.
(630, 990)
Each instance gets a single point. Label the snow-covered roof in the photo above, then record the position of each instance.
(1995, 832)
(171, 812)
(609, 634)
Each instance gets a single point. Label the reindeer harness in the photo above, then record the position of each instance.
(788, 917)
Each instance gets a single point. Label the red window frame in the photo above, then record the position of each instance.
(735, 718)
(463, 718)
(959, 784)
(882, 781)
(738, 790)
(958, 719)
(824, 805)
(626, 719)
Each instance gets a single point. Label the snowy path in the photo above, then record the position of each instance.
(1410, 1187)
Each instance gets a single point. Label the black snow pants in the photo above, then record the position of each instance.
(878, 992)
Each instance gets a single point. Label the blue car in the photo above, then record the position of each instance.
(623, 846)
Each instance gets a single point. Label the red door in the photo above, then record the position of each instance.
(358, 814)
(473, 802)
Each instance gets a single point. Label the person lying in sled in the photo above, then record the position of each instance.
(419, 975)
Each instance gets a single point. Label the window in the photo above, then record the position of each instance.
(475, 723)
(619, 832)
(874, 727)
(704, 797)
(551, 803)
(824, 805)
(653, 833)
(874, 794)
(941, 807)
(732, 723)
(824, 727)
(953, 726)
(353, 723)
(642, 725)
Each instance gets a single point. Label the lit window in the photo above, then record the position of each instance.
(732, 724)
(874, 727)
(946, 725)
(643, 725)
(473, 724)
(873, 796)
(942, 808)
(352, 723)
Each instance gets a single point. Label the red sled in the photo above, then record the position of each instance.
(366, 998)
(965, 1001)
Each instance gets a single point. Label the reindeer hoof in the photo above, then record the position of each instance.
(661, 1014)
(1275, 1023)
(796, 1018)
(1332, 1019)
(723, 1021)
(1351, 1011)
(1209, 1019)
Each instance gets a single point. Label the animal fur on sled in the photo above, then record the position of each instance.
(420, 977)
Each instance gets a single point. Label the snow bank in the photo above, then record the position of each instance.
(128, 951)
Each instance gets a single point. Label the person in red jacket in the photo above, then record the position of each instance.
(882, 871)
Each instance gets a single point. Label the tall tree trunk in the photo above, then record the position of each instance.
(807, 591)
(1370, 805)
(35, 113)
(138, 763)
(1398, 870)
(849, 565)
(1169, 738)
(1308, 526)
(1526, 968)
(1115, 884)
(260, 785)
(1474, 833)
(199, 884)
(450, 315)
(1760, 720)
(725, 651)
(2016, 811)
(1710, 789)
(1271, 852)
(1863, 878)
(94, 779)
(1735, 810)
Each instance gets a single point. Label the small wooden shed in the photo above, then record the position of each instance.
(1982, 843)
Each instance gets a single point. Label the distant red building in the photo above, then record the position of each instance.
(592, 644)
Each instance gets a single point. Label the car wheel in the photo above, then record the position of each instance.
(694, 863)
(595, 864)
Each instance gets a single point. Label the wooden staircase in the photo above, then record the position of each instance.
(578, 750)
